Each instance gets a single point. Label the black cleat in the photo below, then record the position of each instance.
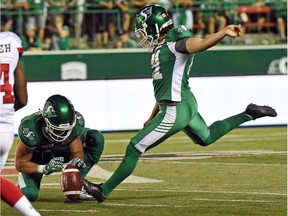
(94, 189)
(255, 111)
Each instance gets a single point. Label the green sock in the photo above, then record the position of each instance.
(124, 170)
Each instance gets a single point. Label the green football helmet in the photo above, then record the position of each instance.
(59, 116)
(152, 22)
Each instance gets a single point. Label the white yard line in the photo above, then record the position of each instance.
(67, 210)
(157, 205)
(98, 172)
(188, 206)
(57, 185)
(221, 163)
(270, 136)
(195, 155)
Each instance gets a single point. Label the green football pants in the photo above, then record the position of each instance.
(170, 120)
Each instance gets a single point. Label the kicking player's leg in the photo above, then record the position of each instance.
(30, 185)
(124, 170)
(198, 131)
(169, 121)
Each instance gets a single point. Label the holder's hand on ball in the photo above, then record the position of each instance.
(54, 165)
(77, 162)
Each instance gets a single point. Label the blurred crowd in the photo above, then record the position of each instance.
(82, 24)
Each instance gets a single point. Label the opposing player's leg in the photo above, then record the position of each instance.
(30, 185)
(13, 196)
(203, 135)
(5, 144)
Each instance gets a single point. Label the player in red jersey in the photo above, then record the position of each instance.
(13, 96)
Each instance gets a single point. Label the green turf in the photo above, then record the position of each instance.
(244, 173)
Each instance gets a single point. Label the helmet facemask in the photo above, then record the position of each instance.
(59, 117)
(147, 40)
(58, 133)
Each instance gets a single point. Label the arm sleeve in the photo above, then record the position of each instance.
(180, 46)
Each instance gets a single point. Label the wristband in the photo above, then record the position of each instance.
(40, 168)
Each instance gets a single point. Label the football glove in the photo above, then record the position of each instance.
(77, 162)
(54, 165)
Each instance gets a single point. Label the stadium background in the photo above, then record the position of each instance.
(113, 88)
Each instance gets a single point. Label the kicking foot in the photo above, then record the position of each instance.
(94, 189)
(255, 111)
(85, 196)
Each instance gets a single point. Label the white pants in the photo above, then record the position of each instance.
(6, 142)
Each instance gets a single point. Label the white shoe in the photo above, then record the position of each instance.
(84, 196)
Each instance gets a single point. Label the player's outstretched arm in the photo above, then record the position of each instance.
(196, 45)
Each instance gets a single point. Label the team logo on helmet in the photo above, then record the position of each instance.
(151, 24)
(49, 110)
(146, 12)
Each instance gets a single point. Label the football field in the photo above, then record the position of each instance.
(244, 173)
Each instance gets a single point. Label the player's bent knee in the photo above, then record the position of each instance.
(31, 193)
(204, 143)
(94, 145)
(94, 138)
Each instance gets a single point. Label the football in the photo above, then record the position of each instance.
(71, 182)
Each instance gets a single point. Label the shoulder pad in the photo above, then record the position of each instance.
(80, 119)
(179, 32)
(28, 130)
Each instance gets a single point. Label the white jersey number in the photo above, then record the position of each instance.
(6, 87)
(155, 63)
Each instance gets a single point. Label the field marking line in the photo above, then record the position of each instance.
(98, 172)
(240, 137)
(95, 172)
(67, 210)
(223, 163)
(57, 185)
(227, 139)
(218, 192)
(195, 155)
(157, 205)
(203, 191)
(189, 206)
(171, 157)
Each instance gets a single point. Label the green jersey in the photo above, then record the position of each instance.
(32, 133)
(37, 6)
(170, 69)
